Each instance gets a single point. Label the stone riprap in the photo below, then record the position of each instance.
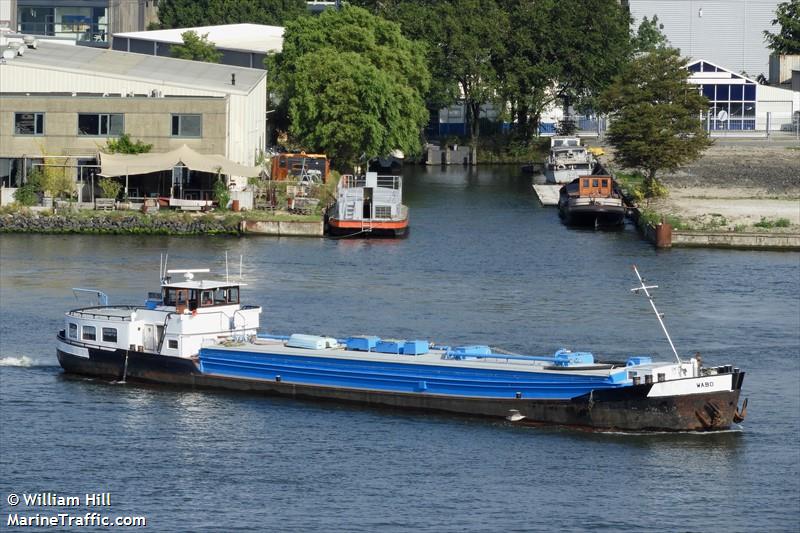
(130, 224)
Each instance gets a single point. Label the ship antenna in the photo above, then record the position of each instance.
(226, 266)
(660, 316)
(166, 258)
(240, 266)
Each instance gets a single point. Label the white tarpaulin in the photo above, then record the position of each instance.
(131, 164)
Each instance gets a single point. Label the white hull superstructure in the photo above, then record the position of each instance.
(567, 160)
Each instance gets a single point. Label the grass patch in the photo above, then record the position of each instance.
(779, 223)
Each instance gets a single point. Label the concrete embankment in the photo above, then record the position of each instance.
(664, 236)
(143, 224)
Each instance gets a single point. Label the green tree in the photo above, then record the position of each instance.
(124, 145)
(649, 35)
(593, 44)
(528, 70)
(787, 40)
(351, 85)
(655, 123)
(196, 48)
(464, 40)
(192, 13)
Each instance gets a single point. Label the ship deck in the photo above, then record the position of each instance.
(434, 357)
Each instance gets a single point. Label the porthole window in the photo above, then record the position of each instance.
(173, 344)
(110, 335)
(89, 333)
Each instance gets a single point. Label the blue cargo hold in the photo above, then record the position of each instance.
(415, 347)
(390, 346)
(362, 344)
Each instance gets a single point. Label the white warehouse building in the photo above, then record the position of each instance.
(725, 32)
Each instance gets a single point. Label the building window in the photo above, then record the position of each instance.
(187, 125)
(100, 124)
(89, 333)
(110, 335)
(73, 331)
(29, 123)
(173, 344)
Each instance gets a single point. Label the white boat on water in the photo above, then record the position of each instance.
(567, 160)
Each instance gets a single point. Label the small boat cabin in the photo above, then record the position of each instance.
(595, 186)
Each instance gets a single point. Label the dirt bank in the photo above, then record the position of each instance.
(736, 185)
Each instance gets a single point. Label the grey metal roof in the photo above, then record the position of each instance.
(195, 74)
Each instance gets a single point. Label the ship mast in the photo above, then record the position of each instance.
(660, 316)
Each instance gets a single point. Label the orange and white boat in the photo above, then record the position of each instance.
(369, 205)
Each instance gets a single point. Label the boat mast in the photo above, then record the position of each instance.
(660, 316)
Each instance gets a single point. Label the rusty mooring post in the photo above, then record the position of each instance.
(663, 235)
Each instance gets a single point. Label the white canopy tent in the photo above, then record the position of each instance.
(132, 164)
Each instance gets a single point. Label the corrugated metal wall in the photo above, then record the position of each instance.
(726, 32)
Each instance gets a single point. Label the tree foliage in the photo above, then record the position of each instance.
(352, 85)
(649, 35)
(787, 40)
(592, 45)
(655, 123)
(124, 145)
(192, 13)
(197, 48)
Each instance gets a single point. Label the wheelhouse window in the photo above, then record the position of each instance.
(187, 125)
(73, 331)
(89, 333)
(173, 344)
(233, 295)
(102, 124)
(110, 335)
(29, 123)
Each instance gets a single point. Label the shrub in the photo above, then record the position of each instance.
(28, 194)
(221, 193)
(110, 187)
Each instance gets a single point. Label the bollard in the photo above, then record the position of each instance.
(663, 235)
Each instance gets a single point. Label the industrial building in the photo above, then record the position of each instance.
(86, 22)
(244, 45)
(738, 103)
(66, 102)
(728, 32)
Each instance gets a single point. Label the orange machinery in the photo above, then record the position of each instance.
(295, 166)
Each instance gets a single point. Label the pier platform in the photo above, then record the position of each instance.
(548, 194)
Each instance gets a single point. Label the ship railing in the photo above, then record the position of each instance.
(348, 181)
(95, 312)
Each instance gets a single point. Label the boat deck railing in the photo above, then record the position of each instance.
(97, 312)
(348, 181)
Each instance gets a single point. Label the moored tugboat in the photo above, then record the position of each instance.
(592, 201)
(197, 333)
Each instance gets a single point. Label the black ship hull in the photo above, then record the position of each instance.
(623, 409)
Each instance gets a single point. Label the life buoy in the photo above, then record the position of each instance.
(561, 166)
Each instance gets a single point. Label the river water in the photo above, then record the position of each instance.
(484, 263)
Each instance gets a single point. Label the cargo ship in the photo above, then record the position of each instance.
(197, 333)
(368, 206)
